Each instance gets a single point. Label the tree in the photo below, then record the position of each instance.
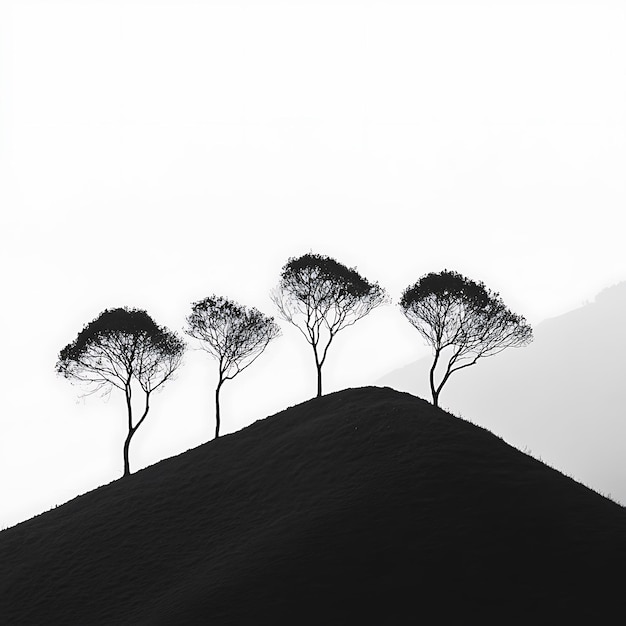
(233, 334)
(320, 297)
(121, 348)
(452, 311)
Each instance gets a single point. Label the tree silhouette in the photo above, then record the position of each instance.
(452, 311)
(120, 347)
(233, 334)
(320, 297)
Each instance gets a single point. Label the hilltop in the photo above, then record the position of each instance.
(366, 506)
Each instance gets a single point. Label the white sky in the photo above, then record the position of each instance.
(153, 153)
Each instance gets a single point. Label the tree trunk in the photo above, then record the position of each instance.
(126, 452)
(318, 368)
(319, 380)
(436, 397)
(132, 429)
(129, 408)
(217, 408)
(434, 391)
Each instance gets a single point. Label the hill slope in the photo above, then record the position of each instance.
(563, 397)
(352, 508)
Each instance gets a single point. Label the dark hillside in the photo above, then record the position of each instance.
(361, 507)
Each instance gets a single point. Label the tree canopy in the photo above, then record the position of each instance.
(320, 297)
(453, 312)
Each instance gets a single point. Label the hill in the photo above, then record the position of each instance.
(562, 397)
(366, 506)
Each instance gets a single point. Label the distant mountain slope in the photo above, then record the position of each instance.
(367, 506)
(563, 397)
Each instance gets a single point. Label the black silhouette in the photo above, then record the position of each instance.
(118, 347)
(366, 506)
(320, 297)
(452, 311)
(233, 334)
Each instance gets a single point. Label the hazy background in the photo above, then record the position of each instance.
(153, 153)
